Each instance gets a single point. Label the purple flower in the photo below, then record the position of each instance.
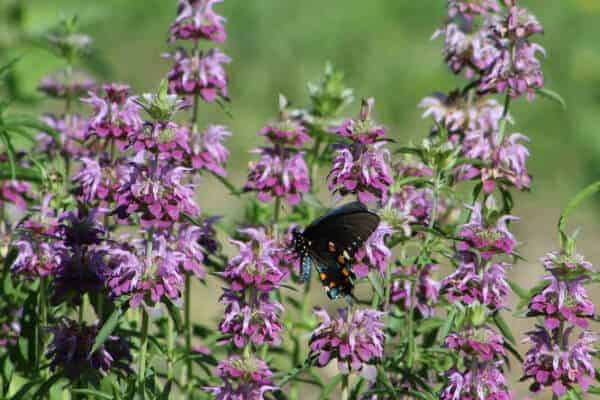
(426, 289)
(414, 206)
(354, 340)
(256, 265)
(97, 181)
(197, 20)
(162, 275)
(208, 151)
(10, 326)
(562, 301)
(78, 273)
(467, 285)
(199, 74)
(516, 68)
(14, 192)
(156, 194)
(362, 130)
(505, 160)
(81, 228)
(189, 238)
(72, 343)
(63, 86)
(374, 253)
(287, 132)
(566, 266)
(243, 378)
(486, 382)
(72, 129)
(256, 321)
(167, 139)
(459, 116)
(470, 8)
(479, 343)
(278, 173)
(555, 363)
(484, 240)
(468, 50)
(116, 115)
(361, 170)
(124, 270)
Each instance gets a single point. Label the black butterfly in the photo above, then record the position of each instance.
(330, 243)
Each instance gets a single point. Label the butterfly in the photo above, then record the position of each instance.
(330, 242)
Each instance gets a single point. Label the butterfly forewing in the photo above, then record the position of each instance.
(330, 243)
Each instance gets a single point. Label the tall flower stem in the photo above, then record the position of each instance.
(170, 347)
(345, 395)
(143, 351)
(43, 318)
(188, 329)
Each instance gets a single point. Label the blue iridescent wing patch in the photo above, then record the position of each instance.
(306, 268)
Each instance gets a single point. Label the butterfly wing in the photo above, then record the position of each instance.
(332, 242)
(341, 232)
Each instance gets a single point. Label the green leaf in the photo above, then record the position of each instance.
(164, 395)
(503, 326)
(10, 150)
(91, 392)
(519, 291)
(24, 390)
(27, 121)
(330, 387)
(175, 315)
(107, 329)
(375, 279)
(6, 68)
(45, 387)
(552, 95)
(572, 205)
(449, 324)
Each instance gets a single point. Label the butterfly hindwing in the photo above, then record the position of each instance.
(330, 243)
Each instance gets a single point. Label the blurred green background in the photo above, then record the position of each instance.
(384, 47)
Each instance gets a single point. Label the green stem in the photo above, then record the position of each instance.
(345, 387)
(276, 208)
(43, 318)
(188, 329)
(143, 351)
(170, 347)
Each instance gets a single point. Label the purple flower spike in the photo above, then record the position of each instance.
(70, 350)
(243, 378)
(468, 286)
(197, 20)
(374, 253)
(159, 196)
(167, 139)
(72, 129)
(61, 86)
(287, 132)
(256, 265)
(426, 289)
(563, 301)
(363, 171)
(202, 74)
(354, 340)
(362, 130)
(560, 366)
(485, 382)
(257, 323)
(208, 151)
(470, 8)
(15, 193)
(117, 116)
(483, 344)
(279, 173)
(486, 241)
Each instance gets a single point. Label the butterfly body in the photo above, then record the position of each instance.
(330, 242)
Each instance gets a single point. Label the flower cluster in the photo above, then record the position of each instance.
(481, 39)
(415, 288)
(72, 130)
(554, 360)
(361, 167)
(72, 343)
(374, 253)
(250, 315)
(116, 115)
(354, 340)
(243, 378)
(66, 86)
(207, 151)
(197, 20)
(281, 171)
